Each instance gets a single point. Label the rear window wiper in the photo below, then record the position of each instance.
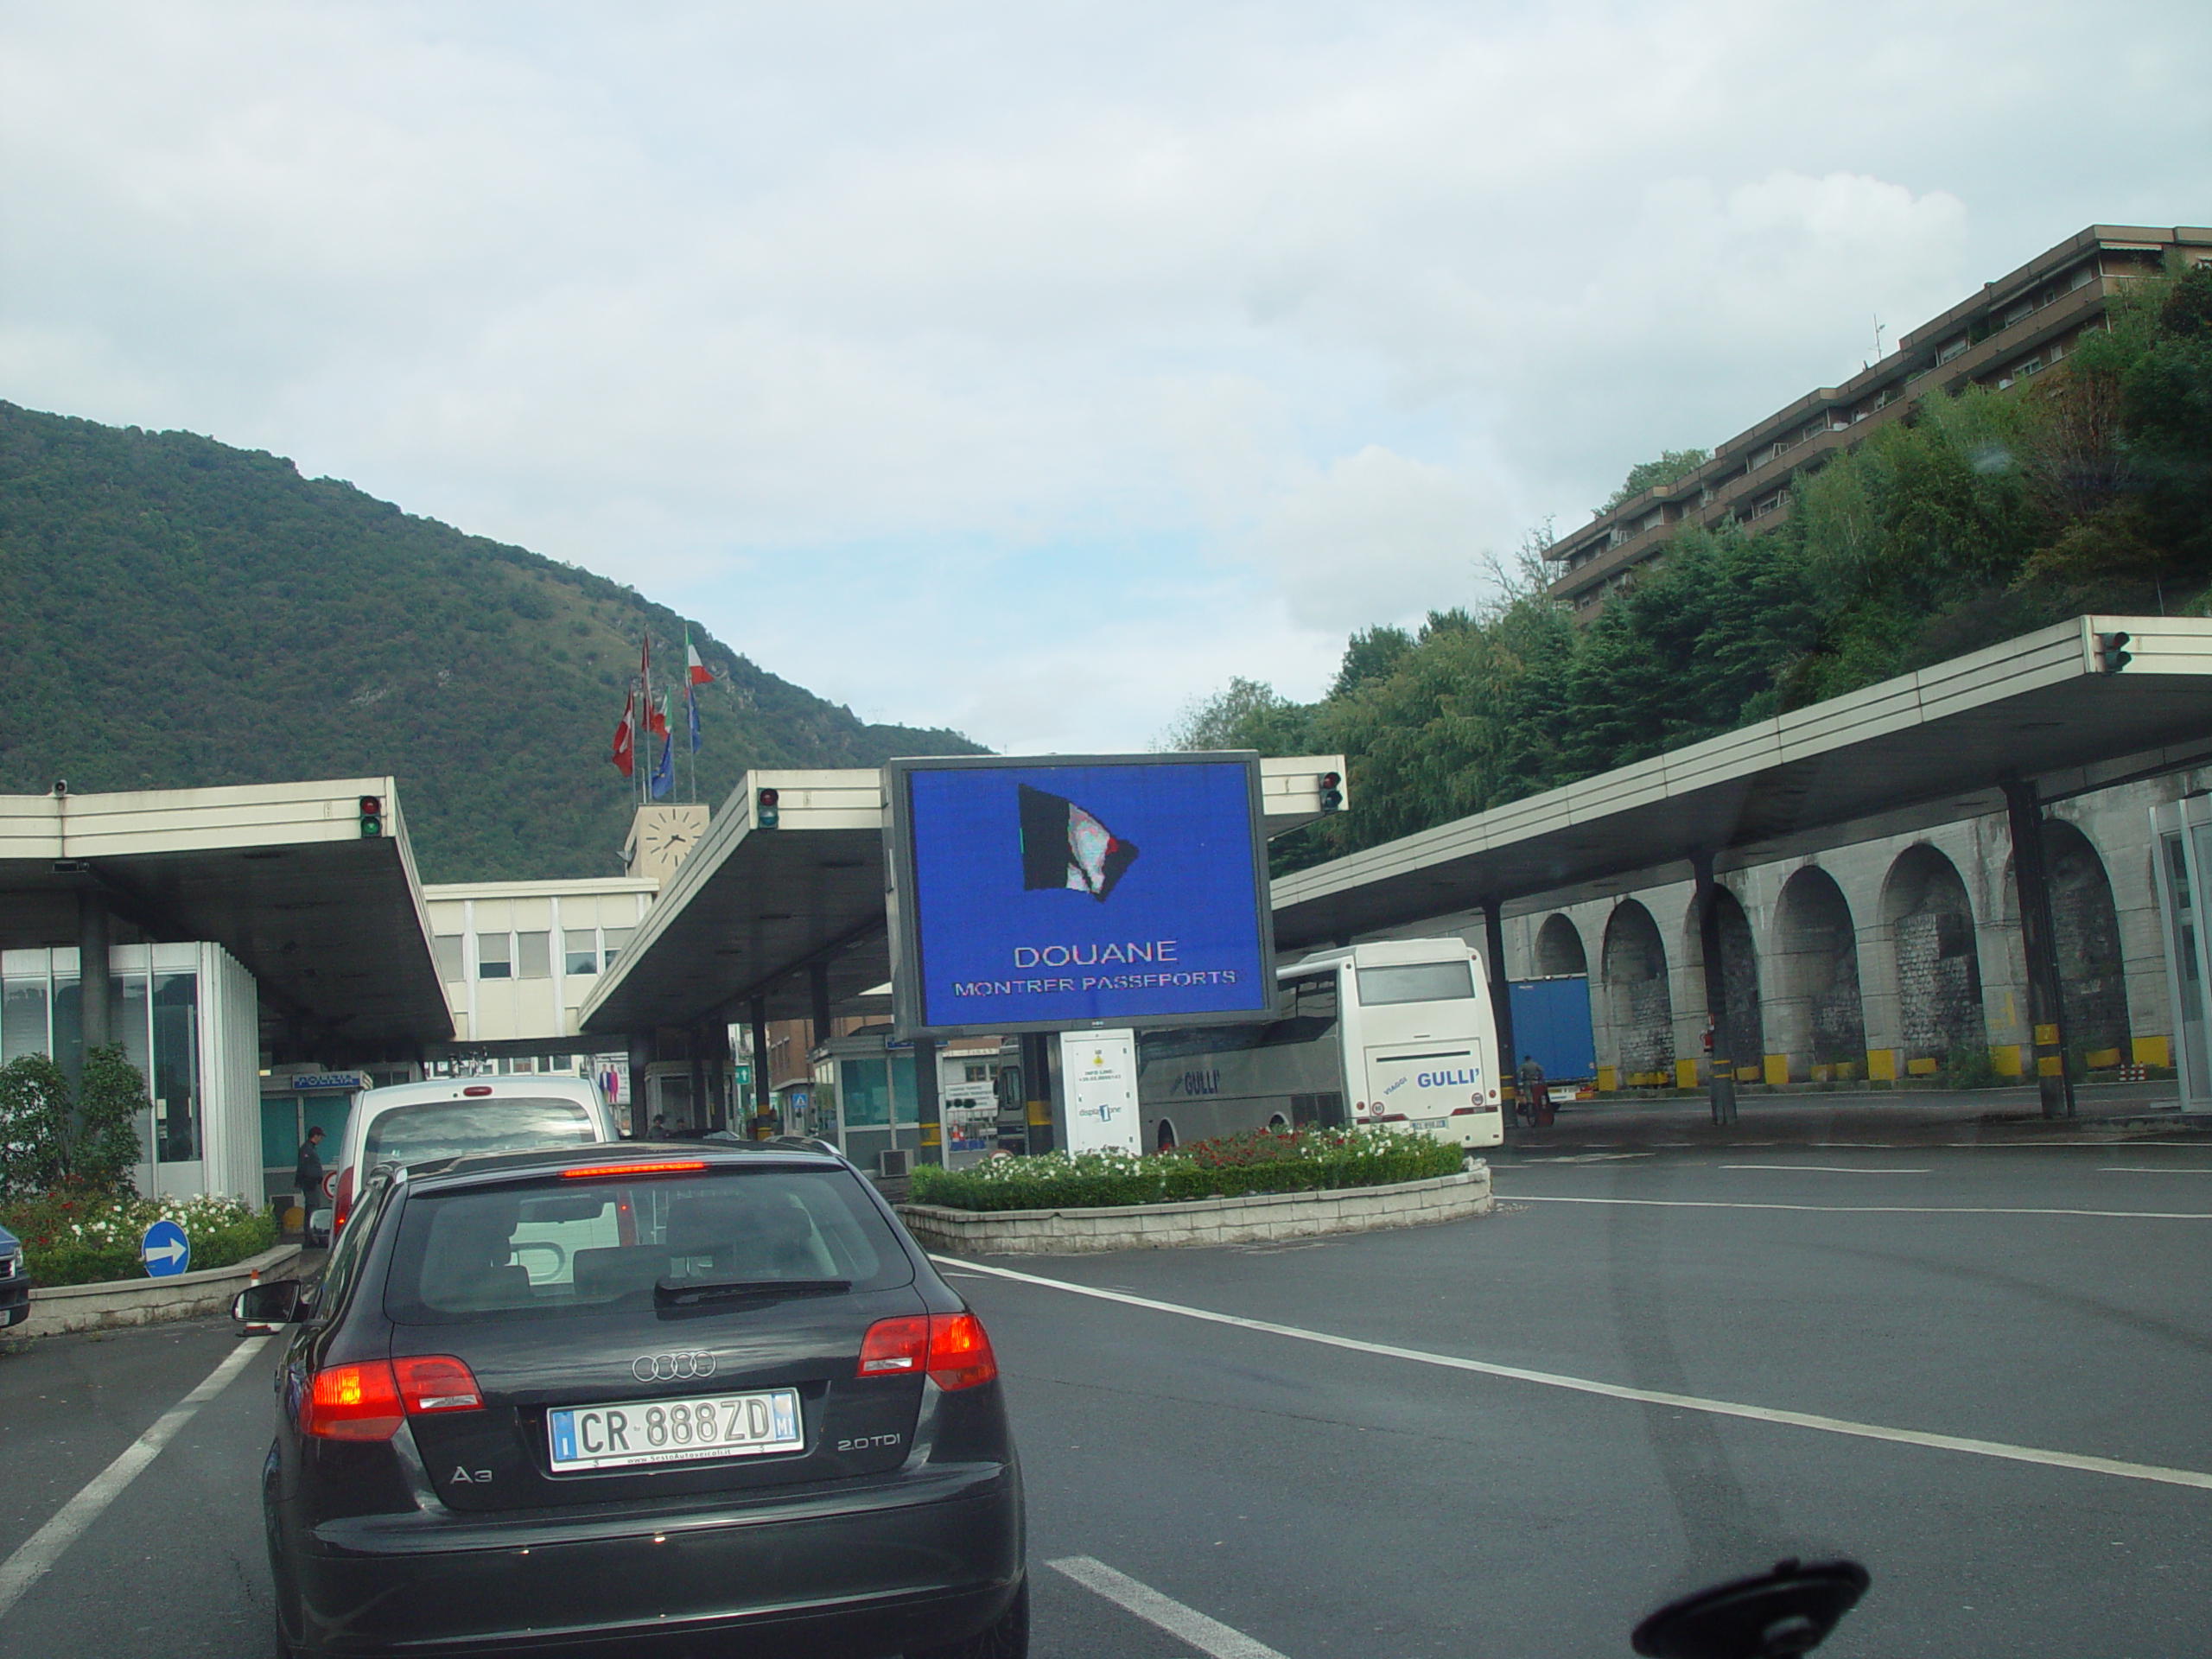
(689, 1292)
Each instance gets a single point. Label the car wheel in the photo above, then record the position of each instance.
(1006, 1637)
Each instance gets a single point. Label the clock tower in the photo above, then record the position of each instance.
(661, 836)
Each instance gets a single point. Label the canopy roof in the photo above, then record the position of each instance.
(329, 921)
(750, 912)
(1927, 748)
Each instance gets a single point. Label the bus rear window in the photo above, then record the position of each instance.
(1418, 981)
(456, 1129)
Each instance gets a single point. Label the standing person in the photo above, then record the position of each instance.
(1535, 1099)
(307, 1175)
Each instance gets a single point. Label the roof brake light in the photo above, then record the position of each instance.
(475, 1088)
(664, 1167)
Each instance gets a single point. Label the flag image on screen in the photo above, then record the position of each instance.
(1064, 846)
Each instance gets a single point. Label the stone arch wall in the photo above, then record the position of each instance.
(1642, 1010)
(1560, 949)
(2092, 975)
(1931, 926)
(1739, 969)
(1817, 1017)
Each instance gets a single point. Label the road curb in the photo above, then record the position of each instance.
(59, 1309)
(1256, 1218)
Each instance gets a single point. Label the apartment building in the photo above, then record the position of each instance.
(2014, 329)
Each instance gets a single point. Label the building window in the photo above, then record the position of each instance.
(175, 1082)
(495, 958)
(533, 956)
(618, 940)
(579, 951)
(445, 950)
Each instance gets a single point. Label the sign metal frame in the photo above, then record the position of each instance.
(906, 998)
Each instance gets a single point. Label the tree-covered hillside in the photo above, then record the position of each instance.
(2086, 489)
(179, 612)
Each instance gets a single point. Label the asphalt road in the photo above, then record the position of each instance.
(1332, 1502)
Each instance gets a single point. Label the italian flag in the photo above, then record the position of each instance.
(693, 666)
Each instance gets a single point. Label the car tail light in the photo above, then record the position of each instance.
(433, 1382)
(476, 1089)
(895, 1347)
(1390, 1117)
(951, 1347)
(1463, 1111)
(342, 1202)
(351, 1402)
(665, 1167)
(960, 1354)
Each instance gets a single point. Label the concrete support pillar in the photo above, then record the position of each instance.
(1508, 1058)
(641, 1056)
(926, 1107)
(2039, 946)
(695, 1043)
(759, 1013)
(818, 987)
(1037, 1089)
(93, 978)
(1721, 1068)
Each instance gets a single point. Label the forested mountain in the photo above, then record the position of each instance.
(2086, 489)
(176, 613)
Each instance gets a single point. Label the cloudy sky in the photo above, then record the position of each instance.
(1034, 369)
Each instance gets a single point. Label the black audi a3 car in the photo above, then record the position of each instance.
(689, 1400)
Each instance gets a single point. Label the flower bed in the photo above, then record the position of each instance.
(1263, 1161)
(82, 1239)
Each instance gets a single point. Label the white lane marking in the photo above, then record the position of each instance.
(1185, 1624)
(2151, 1169)
(1830, 1169)
(44, 1547)
(1872, 1209)
(1999, 1449)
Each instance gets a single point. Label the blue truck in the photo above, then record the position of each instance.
(1551, 1020)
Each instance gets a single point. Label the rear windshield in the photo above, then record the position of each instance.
(546, 1251)
(1419, 981)
(454, 1129)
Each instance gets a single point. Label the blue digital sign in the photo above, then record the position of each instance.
(1035, 895)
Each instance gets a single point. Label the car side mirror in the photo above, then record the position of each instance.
(277, 1302)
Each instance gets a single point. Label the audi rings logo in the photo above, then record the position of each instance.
(672, 1368)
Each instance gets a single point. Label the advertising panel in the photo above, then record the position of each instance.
(1098, 1070)
(1041, 895)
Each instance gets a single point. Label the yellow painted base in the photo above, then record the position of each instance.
(1685, 1074)
(1777, 1068)
(1920, 1068)
(1882, 1065)
(1609, 1078)
(2100, 1059)
(2004, 1059)
(2153, 1051)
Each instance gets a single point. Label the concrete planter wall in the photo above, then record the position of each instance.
(57, 1308)
(1249, 1220)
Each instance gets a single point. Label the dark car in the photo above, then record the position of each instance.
(15, 1281)
(684, 1400)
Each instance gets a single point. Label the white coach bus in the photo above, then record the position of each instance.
(1396, 1033)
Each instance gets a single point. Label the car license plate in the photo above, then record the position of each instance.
(675, 1431)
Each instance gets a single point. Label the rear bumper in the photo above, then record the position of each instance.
(15, 1300)
(858, 1580)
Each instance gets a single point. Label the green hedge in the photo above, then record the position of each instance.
(75, 1238)
(1263, 1160)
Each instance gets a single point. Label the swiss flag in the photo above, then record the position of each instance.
(625, 737)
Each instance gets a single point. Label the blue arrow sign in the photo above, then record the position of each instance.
(165, 1250)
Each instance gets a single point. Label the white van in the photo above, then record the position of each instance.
(412, 1123)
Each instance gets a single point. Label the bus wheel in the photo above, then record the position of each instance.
(1167, 1135)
